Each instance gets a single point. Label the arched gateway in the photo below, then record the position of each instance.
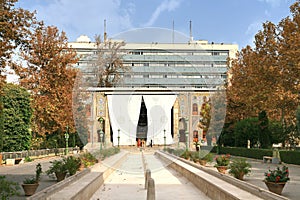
(145, 115)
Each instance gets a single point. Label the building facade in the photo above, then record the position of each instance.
(163, 99)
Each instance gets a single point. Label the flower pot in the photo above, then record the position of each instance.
(240, 176)
(60, 176)
(222, 169)
(202, 162)
(30, 189)
(275, 187)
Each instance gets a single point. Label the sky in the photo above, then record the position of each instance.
(227, 21)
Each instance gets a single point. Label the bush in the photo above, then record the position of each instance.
(239, 167)
(245, 130)
(8, 188)
(248, 153)
(87, 159)
(290, 157)
(186, 154)
(104, 153)
(72, 164)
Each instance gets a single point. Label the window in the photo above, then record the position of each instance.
(195, 136)
(195, 109)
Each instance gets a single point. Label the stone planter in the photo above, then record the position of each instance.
(275, 187)
(30, 189)
(222, 169)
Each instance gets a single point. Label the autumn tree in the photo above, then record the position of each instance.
(15, 25)
(50, 79)
(266, 77)
(108, 64)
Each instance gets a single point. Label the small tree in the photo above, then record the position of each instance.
(17, 113)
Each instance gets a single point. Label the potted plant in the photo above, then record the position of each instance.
(276, 179)
(58, 168)
(204, 157)
(31, 184)
(186, 155)
(72, 164)
(239, 167)
(197, 145)
(222, 162)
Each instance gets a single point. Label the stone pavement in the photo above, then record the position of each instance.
(128, 181)
(291, 189)
(18, 173)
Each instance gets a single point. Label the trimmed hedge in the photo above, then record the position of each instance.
(245, 152)
(290, 157)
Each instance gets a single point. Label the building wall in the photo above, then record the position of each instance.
(196, 64)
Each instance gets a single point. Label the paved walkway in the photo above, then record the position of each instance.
(18, 173)
(128, 182)
(291, 189)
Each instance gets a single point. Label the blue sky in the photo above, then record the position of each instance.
(228, 21)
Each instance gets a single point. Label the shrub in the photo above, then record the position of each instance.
(222, 160)
(238, 167)
(8, 188)
(186, 154)
(87, 159)
(57, 166)
(277, 175)
(72, 164)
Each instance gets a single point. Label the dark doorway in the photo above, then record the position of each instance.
(142, 127)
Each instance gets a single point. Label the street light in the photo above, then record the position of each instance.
(67, 140)
(101, 132)
(178, 138)
(165, 140)
(187, 136)
(118, 137)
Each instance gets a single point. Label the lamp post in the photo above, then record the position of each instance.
(67, 140)
(101, 132)
(178, 138)
(165, 140)
(187, 136)
(118, 138)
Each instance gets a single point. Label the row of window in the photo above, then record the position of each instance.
(186, 53)
(173, 76)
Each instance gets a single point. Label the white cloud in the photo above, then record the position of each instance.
(166, 5)
(273, 3)
(251, 31)
(76, 17)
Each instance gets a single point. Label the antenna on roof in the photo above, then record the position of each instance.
(191, 36)
(105, 35)
(173, 33)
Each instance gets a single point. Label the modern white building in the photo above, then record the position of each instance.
(161, 98)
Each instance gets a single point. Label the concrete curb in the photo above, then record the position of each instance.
(257, 191)
(43, 194)
(83, 186)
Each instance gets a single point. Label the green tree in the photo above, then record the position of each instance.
(17, 113)
(263, 127)
(245, 130)
(276, 132)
